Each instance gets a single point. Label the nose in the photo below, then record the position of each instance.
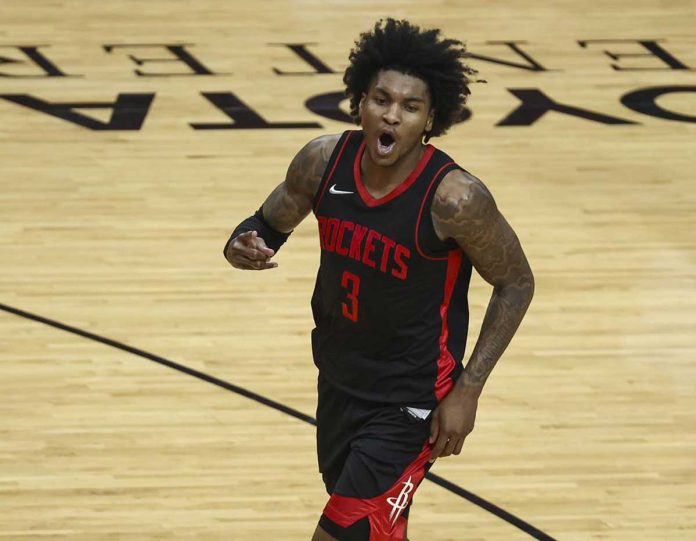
(393, 114)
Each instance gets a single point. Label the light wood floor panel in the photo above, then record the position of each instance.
(586, 429)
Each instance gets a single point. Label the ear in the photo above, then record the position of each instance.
(429, 123)
(360, 104)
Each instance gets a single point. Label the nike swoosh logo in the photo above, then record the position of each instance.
(334, 191)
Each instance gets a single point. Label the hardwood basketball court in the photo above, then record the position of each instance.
(119, 190)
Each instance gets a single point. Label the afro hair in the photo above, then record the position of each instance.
(401, 46)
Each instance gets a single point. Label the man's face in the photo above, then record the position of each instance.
(394, 113)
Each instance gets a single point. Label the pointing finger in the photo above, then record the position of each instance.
(254, 264)
(261, 246)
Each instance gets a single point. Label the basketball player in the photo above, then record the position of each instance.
(400, 227)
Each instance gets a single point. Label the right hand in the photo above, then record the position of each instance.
(248, 251)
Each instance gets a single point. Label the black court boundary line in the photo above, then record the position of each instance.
(440, 481)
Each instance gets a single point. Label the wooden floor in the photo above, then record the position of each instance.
(586, 430)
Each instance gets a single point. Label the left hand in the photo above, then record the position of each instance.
(453, 420)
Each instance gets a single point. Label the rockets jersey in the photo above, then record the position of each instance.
(390, 302)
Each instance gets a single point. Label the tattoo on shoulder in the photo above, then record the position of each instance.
(307, 168)
(292, 200)
(465, 211)
(463, 202)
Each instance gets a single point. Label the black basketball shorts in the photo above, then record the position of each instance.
(372, 458)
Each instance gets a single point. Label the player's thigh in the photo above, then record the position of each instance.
(388, 460)
(321, 535)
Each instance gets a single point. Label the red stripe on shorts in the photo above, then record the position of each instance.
(384, 511)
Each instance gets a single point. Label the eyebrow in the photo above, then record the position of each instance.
(410, 98)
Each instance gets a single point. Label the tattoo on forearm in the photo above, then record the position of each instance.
(503, 316)
(468, 214)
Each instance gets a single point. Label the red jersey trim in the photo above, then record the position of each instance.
(420, 214)
(383, 511)
(333, 169)
(445, 362)
(401, 188)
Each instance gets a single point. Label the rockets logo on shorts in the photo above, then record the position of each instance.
(400, 502)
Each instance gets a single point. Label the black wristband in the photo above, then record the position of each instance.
(274, 239)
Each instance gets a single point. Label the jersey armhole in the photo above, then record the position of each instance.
(428, 243)
(330, 168)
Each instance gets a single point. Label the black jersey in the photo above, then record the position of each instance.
(390, 302)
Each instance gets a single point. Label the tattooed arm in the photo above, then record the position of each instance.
(286, 206)
(291, 201)
(464, 210)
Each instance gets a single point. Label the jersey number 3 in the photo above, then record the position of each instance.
(351, 283)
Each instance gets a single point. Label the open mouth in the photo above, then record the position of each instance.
(385, 144)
